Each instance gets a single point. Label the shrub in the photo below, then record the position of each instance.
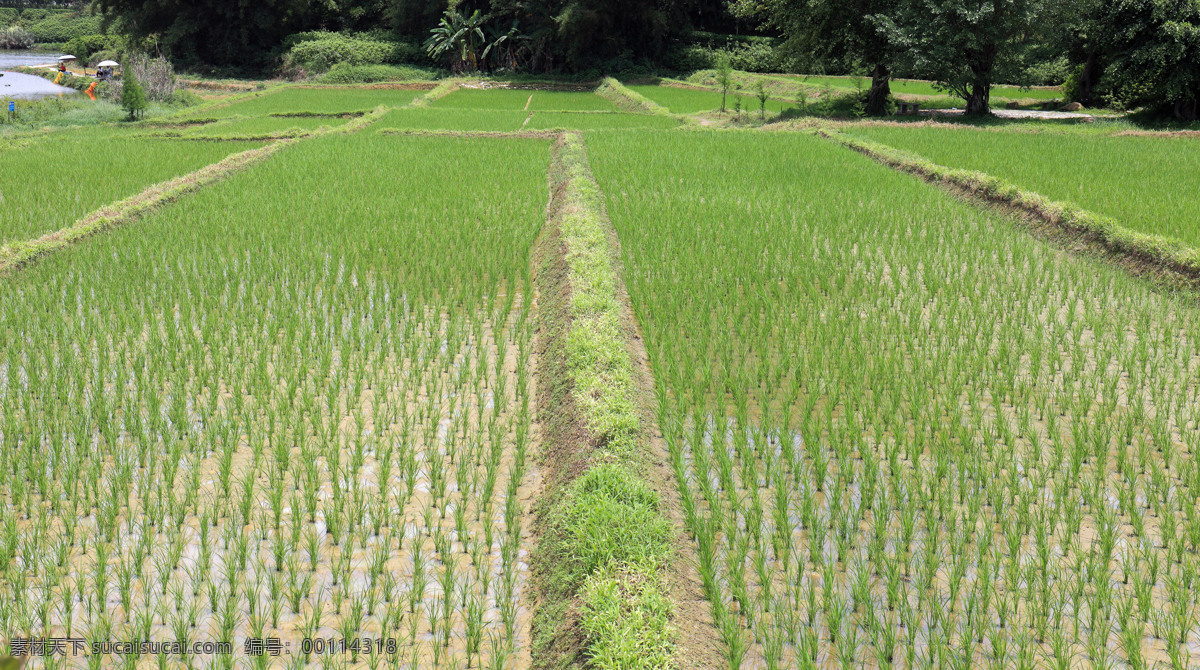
(155, 76)
(8, 16)
(15, 37)
(319, 51)
(87, 46)
(345, 73)
(63, 27)
(103, 55)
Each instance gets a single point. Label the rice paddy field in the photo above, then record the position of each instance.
(313, 100)
(48, 184)
(319, 399)
(1147, 183)
(901, 439)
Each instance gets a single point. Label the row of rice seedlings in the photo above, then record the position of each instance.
(430, 118)
(1145, 183)
(523, 100)
(597, 121)
(314, 100)
(251, 423)
(904, 433)
(50, 183)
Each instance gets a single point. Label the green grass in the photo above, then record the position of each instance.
(318, 100)
(296, 400)
(586, 121)
(434, 118)
(898, 422)
(1147, 184)
(691, 101)
(49, 183)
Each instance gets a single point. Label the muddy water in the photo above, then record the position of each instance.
(29, 87)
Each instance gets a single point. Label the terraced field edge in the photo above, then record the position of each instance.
(629, 100)
(601, 566)
(17, 254)
(1145, 254)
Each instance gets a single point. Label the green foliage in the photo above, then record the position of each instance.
(86, 47)
(15, 37)
(965, 45)
(63, 27)
(133, 96)
(319, 51)
(1153, 48)
(747, 56)
(626, 613)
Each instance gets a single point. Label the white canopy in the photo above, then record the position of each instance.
(67, 57)
(108, 63)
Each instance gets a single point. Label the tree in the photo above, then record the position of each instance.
(842, 33)
(581, 34)
(724, 76)
(243, 34)
(964, 45)
(133, 97)
(1153, 53)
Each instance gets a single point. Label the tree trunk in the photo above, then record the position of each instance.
(978, 101)
(877, 97)
(980, 62)
(1186, 110)
(1088, 79)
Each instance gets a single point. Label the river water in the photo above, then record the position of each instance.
(25, 86)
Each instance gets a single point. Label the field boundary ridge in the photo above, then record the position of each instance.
(628, 99)
(17, 254)
(1158, 254)
(601, 564)
(440, 91)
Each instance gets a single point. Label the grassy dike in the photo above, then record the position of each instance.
(629, 100)
(606, 545)
(1142, 253)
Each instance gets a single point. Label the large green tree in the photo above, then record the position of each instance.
(1152, 49)
(237, 33)
(842, 32)
(964, 45)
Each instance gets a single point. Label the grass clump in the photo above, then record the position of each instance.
(348, 73)
(626, 612)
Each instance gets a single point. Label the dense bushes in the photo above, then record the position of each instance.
(45, 26)
(60, 27)
(87, 46)
(318, 51)
(748, 54)
(15, 37)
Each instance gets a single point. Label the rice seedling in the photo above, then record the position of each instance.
(428, 118)
(597, 121)
(523, 99)
(964, 482)
(243, 379)
(1144, 183)
(302, 100)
